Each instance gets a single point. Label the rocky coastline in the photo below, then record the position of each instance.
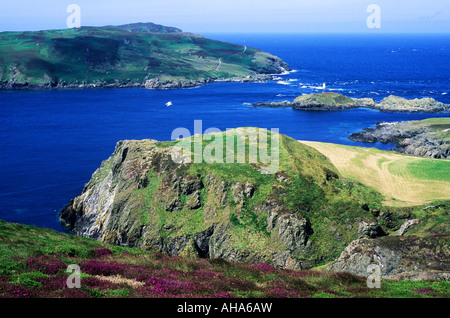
(427, 138)
(334, 101)
(155, 83)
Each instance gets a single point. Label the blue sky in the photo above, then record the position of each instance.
(206, 16)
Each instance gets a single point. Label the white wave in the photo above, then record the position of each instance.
(444, 93)
(283, 83)
(336, 89)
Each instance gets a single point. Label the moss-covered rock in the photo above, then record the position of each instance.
(324, 101)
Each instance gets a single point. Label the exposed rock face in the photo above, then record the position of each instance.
(292, 231)
(421, 138)
(369, 230)
(407, 226)
(399, 257)
(140, 197)
(140, 182)
(395, 103)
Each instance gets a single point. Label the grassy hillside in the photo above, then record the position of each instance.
(33, 264)
(332, 99)
(403, 180)
(300, 215)
(125, 55)
(303, 215)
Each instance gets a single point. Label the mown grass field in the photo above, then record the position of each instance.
(403, 180)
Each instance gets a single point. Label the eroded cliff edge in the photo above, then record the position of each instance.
(303, 215)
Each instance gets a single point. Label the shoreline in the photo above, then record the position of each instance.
(335, 102)
(150, 84)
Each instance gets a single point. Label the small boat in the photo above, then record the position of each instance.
(169, 104)
(324, 86)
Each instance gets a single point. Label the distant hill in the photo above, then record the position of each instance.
(148, 28)
(132, 55)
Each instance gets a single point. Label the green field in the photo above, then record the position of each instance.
(403, 180)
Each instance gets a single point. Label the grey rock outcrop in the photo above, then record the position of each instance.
(412, 137)
(399, 257)
(407, 226)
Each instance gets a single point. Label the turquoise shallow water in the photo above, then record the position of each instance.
(52, 141)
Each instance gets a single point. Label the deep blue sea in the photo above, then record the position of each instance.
(52, 141)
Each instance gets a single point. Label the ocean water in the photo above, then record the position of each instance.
(52, 141)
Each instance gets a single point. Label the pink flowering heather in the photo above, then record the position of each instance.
(72, 293)
(206, 274)
(224, 295)
(99, 252)
(16, 291)
(95, 267)
(53, 283)
(46, 264)
(264, 267)
(424, 290)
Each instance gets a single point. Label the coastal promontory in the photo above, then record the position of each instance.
(302, 215)
(134, 55)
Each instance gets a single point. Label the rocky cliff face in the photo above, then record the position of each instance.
(398, 257)
(400, 104)
(140, 197)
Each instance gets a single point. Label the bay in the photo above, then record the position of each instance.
(52, 141)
